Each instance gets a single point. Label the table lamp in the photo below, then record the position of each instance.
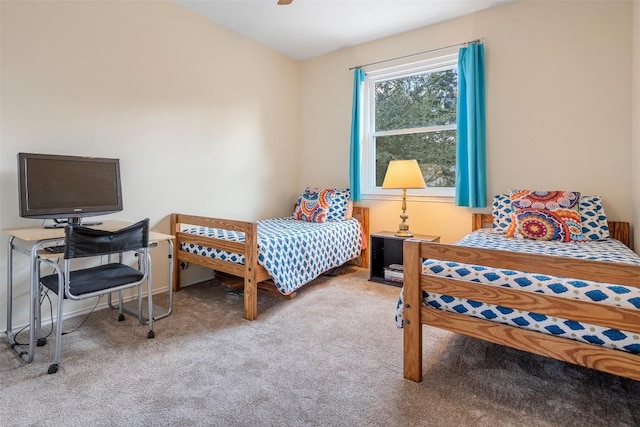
(403, 174)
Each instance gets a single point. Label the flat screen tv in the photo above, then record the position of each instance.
(68, 188)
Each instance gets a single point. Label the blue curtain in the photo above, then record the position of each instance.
(471, 171)
(356, 135)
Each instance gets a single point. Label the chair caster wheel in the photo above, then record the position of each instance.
(121, 318)
(53, 368)
(151, 334)
(41, 342)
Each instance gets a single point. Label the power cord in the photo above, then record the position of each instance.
(85, 319)
(46, 294)
(42, 340)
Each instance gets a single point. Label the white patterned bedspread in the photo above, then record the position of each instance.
(606, 250)
(293, 252)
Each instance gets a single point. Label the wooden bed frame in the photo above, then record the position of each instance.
(254, 276)
(603, 359)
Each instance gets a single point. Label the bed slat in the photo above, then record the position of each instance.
(591, 356)
(583, 311)
(227, 224)
(605, 272)
(214, 264)
(212, 242)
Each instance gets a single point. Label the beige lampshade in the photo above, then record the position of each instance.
(403, 174)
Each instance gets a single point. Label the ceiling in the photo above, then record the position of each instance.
(309, 28)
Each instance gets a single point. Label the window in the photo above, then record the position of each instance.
(410, 113)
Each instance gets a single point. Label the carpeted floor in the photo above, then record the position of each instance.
(330, 357)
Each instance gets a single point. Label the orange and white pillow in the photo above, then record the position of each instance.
(323, 204)
(545, 215)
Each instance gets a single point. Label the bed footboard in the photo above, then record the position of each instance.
(592, 356)
(251, 272)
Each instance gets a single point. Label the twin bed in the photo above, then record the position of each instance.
(277, 255)
(576, 301)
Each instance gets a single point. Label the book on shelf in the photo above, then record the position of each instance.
(393, 275)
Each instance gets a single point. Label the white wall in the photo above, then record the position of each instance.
(203, 120)
(558, 79)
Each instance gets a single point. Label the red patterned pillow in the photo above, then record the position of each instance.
(545, 215)
(338, 201)
(314, 206)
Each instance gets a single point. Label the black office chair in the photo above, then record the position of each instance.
(82, 242)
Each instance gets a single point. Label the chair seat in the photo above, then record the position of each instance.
(96, 278)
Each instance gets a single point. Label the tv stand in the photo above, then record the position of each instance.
(72, 221)
(90, 223)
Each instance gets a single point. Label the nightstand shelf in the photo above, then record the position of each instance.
(386, 250)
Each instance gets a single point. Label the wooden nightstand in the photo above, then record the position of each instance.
(386, 251)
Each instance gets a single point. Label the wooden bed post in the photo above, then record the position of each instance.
(251, 266)
(620, 231)
(176, 247)
(412, 303)
(361, 213)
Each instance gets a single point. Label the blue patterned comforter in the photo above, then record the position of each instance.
(606, 250)
(293, 252)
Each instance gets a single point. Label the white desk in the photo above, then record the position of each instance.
(30, 241)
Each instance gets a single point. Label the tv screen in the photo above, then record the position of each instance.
(68, 188)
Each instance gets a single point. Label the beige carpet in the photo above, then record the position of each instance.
(330, 357)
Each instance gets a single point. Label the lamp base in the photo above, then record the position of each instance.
(403, 233)
(403, 228)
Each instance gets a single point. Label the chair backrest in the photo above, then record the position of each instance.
(84, 242)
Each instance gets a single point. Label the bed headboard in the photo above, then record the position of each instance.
(619, 230)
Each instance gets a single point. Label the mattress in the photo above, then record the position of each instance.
(609, 250)
(293, 252)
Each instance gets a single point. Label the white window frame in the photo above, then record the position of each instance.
(367, 173)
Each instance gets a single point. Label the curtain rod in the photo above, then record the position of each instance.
(418, 53)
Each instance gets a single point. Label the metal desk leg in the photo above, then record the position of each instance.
(171, 266)
(26, 355)
(40, 340)
(10, 336)
(151, 334)
(170, 281)
(35, 319)
(170, 291)
(10, 290)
